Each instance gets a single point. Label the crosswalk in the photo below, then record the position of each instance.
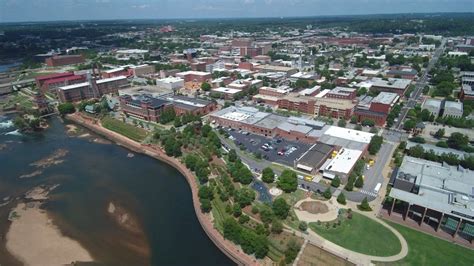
(368, 193)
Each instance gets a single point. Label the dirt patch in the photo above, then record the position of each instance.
(314, 207)
(313, 255)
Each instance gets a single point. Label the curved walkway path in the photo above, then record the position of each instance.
(355, 257)
(230, 249)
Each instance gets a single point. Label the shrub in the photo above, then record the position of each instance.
(341, 199)
(364, 205)
(303, 226)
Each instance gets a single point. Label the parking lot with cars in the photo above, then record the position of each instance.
(272, 149)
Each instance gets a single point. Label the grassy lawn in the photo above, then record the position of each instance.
(313, 255)
(129, 131)
(17, 98)
(360, 234)
(424, 249)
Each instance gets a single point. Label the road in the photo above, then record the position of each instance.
(419, 86)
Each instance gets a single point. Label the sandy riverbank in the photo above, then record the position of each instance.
(34, 240)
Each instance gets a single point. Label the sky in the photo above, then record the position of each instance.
(50, 10)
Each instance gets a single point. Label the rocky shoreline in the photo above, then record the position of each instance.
(227, 247)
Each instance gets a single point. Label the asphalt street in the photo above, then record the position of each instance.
(419, 86)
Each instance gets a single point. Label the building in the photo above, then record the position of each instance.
(377, 108)
(350, 145)
(297, 103)
(93, 89)
(452, 109)
(335, 108)
(48, 83)
(63, 60)
(150, 108)
(467, 91)
(195, 76)
(394, 85)
(314, 157)
(115, 72)
(150, 90)
(342, 93)
(143, 107)
(402, 72)
(141, 70)
(435, 193)
(269, 125)
(433, 106)
(128, 54)
(271, 68)
(171, 83)
(226, 93)
(187, 105)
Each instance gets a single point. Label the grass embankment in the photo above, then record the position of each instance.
(124, 129)
(360, 234)
(424, 249)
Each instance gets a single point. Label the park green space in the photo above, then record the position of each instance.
(124, 129)
(360, 234)
(424, 249)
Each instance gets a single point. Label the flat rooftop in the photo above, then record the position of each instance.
(226, 90)
(386, 98)
(349, 134)
(74, 86)
(438, 186)
(314, 156)
(100, 81)
(394, 83)
(248, 115)
(343, 162)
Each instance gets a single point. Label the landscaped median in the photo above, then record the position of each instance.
(358, 233)
(129, 131)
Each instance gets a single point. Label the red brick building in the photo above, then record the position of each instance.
(63, 60)
(51, 82)
(145, 108)
(91, 90)
(378, 109)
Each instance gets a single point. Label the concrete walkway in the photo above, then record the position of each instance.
(355, 257)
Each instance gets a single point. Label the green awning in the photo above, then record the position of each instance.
(468, 229)
(451, 223)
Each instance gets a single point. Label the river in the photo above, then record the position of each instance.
(91, 176)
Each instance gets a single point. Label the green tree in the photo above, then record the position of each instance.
(243, 219)
(280, 208)
(205, 86)
(205, 192)
(327, 193)
(336, 182)
(244, 196)
(268, 176)
(375, 144)
(457, 141)
(232, 156)
(303, 226)
(341, 123)
(341, 199)
(368, 122)
(236, 210)
(409, 124)
(66, 108)
(359, 183)
(277, 226)
(288, 181)
(206, 205)
(364, 205)
(416, 151)
(291, 251)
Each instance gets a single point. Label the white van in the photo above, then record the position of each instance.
(377, 187)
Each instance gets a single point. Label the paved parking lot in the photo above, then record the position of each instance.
(254, 144)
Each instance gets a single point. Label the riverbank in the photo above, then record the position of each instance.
(34, 240)
(227, 247)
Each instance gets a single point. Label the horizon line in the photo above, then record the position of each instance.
(233, 18)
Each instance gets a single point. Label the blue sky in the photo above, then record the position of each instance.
(46, 10)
